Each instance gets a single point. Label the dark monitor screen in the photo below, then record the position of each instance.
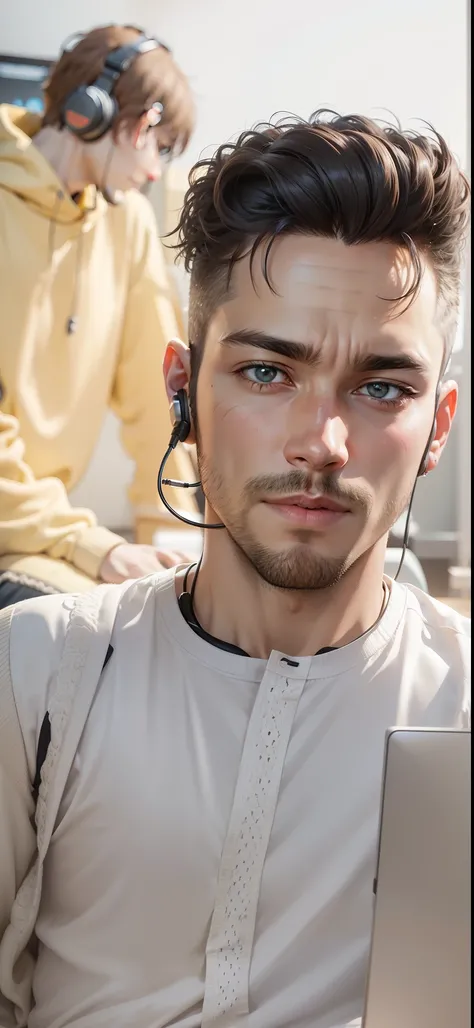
(21, 81)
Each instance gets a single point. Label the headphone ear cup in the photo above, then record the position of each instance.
(89, 112)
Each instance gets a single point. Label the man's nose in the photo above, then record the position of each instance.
(318, 440)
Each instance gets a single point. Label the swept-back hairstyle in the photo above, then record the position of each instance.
(348, 178)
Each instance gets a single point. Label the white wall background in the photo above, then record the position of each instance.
(249, 59)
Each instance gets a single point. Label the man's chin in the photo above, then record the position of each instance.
(296, 567)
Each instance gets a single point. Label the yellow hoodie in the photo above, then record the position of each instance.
(102, 266)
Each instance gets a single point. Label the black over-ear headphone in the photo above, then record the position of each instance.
(90, 111)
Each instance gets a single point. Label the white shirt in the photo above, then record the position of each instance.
(213, 860)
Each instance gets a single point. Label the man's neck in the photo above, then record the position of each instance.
(234, 604)
(65, 154)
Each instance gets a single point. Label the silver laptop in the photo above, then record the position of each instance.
(419, 974)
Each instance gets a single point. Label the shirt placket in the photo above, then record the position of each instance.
(230, 940)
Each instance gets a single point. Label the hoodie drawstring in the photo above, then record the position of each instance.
(72, 321)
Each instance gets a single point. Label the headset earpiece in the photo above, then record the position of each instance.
(423, 469)
(181, 418)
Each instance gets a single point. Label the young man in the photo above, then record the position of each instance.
(206, 839)
(87, 306)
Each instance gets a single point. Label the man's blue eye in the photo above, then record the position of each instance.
(263, 373)
(382, 390)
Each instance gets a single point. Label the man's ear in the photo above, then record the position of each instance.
(140, 132)
(150, 119)
(177, 371)
(448, 401)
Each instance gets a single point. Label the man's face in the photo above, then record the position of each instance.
(315, 403)
(130, 161)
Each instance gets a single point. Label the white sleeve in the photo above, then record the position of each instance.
(31, 639)
(17, 836)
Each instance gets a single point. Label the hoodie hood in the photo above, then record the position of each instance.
(25, 173)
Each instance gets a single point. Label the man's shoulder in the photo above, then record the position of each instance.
(138, 226)
(34, 633)
(37, 634)
(38, 627)
(137, 211)
(442, 619)
(50, 644)
(437, 650)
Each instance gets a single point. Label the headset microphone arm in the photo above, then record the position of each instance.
(180, 485)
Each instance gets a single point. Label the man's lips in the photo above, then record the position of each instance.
(313, 511)
(309, 503)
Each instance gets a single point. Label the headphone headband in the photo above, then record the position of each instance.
(90, 110)
(75, 38)
(120, 60)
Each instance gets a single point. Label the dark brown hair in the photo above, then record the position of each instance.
(349, 178)
(152, 77)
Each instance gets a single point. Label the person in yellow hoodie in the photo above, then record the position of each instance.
(87, 307)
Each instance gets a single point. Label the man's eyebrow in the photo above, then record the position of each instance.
(389, 362)
(305, 353)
